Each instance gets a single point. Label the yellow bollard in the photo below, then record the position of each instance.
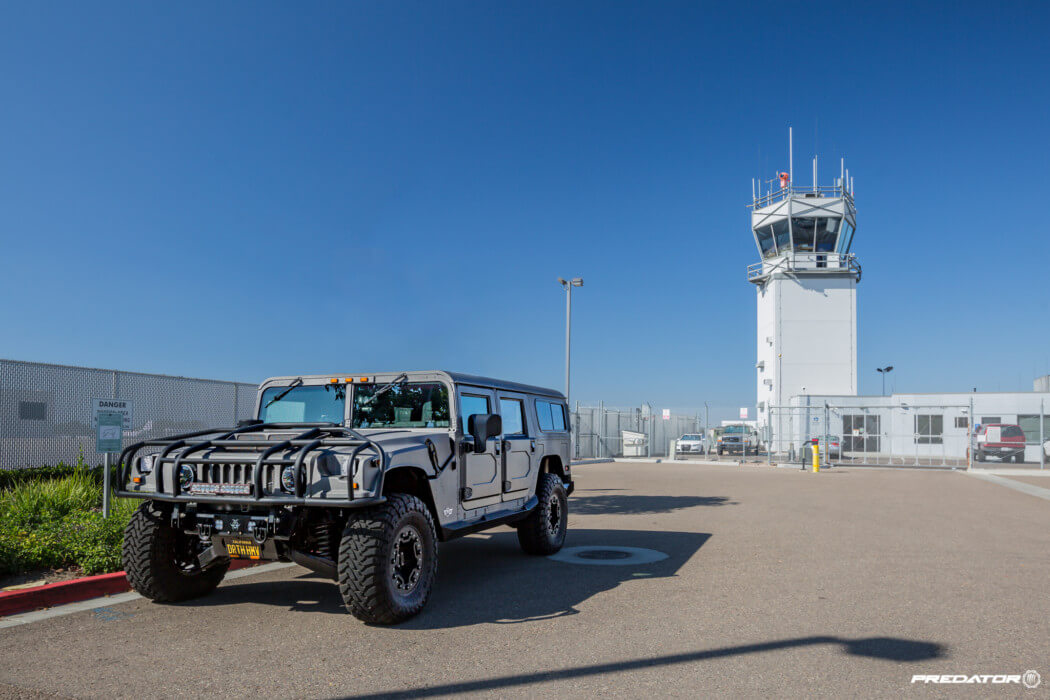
(816, 457)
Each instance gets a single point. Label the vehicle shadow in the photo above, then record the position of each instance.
(885, 648)
(640, 505)
(487, 578)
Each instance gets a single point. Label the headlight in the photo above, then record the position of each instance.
(186, 475)
(288, 479)
(146, 464)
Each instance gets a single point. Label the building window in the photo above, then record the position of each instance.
(861, 433)
(929, 429)
(782, 235)
(988, 420)
(1030, 426)
(962, 422)
(32, 410)
(803, 230)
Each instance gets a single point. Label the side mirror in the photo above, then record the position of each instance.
(483, 426)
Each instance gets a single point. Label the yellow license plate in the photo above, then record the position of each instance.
(243, 549)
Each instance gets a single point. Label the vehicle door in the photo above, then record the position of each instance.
(518, 445)
(482, 472)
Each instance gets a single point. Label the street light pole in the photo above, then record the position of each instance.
(568, 285)
(884, 371)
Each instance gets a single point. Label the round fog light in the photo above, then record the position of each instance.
(186, 475)
(288, 479)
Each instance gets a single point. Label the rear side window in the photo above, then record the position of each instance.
(513, 418)
(551, 415)
(1012, 431)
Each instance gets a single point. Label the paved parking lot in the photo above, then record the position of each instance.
(776, 582)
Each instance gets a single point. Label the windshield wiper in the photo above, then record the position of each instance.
(298, 382)
(399, 379)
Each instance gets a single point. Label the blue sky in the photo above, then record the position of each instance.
(237, 190)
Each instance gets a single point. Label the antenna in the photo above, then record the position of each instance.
(753, 190)
(791, 158)
(814, 173)
(851, 187)
(842, 174)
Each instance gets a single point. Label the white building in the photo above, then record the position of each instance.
(806, 287)
(924, 426)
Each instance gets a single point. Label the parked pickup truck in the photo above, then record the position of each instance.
(355, 476)
(739, 439)
(1003, 441)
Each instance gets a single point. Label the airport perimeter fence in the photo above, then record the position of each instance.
(601, 432)
(907, 433)
(46, 411)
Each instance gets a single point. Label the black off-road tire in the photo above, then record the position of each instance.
(543, 531)
(388, 560)
(152, 551)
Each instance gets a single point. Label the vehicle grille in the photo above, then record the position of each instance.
(237, 474)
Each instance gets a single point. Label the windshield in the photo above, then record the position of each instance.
(416, 405)
(690, 437)
(304, 404)
(736, 429)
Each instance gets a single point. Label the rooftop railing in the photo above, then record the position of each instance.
(777, 193)
(808, 263)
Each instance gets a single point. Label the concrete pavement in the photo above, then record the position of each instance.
(776, 582)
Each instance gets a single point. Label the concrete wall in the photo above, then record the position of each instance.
(806, 339)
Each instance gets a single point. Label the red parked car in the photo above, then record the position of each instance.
(1002, 440)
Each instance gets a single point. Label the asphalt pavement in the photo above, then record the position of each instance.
(775, 582)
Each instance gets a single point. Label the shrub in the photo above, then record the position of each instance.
(58, 523)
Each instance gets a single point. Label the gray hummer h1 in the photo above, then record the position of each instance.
(357, 477)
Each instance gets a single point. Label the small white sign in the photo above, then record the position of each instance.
(667, 414)
(743, 413)
(120, 406)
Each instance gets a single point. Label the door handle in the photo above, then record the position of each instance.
(532, 445)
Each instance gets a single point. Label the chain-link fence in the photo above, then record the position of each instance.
(45, 410)
(987, 431)
(601, 432)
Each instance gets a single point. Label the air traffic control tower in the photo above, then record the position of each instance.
(806, 283)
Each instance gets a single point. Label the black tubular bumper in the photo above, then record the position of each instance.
(260, 453)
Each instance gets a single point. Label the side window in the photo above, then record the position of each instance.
(513, 418)
(471, 405)
(543, 412)
(551, 415)
(558, 415)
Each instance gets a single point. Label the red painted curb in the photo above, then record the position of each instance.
(76, 590)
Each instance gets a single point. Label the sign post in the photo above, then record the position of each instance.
(111, 417)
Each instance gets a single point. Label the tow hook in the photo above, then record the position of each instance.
(204, 531)
(259, 534)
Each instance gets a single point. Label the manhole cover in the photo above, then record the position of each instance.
(604, 554)
(608, 555)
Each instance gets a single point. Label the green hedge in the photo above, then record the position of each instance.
(12, 477)
(48, 523)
